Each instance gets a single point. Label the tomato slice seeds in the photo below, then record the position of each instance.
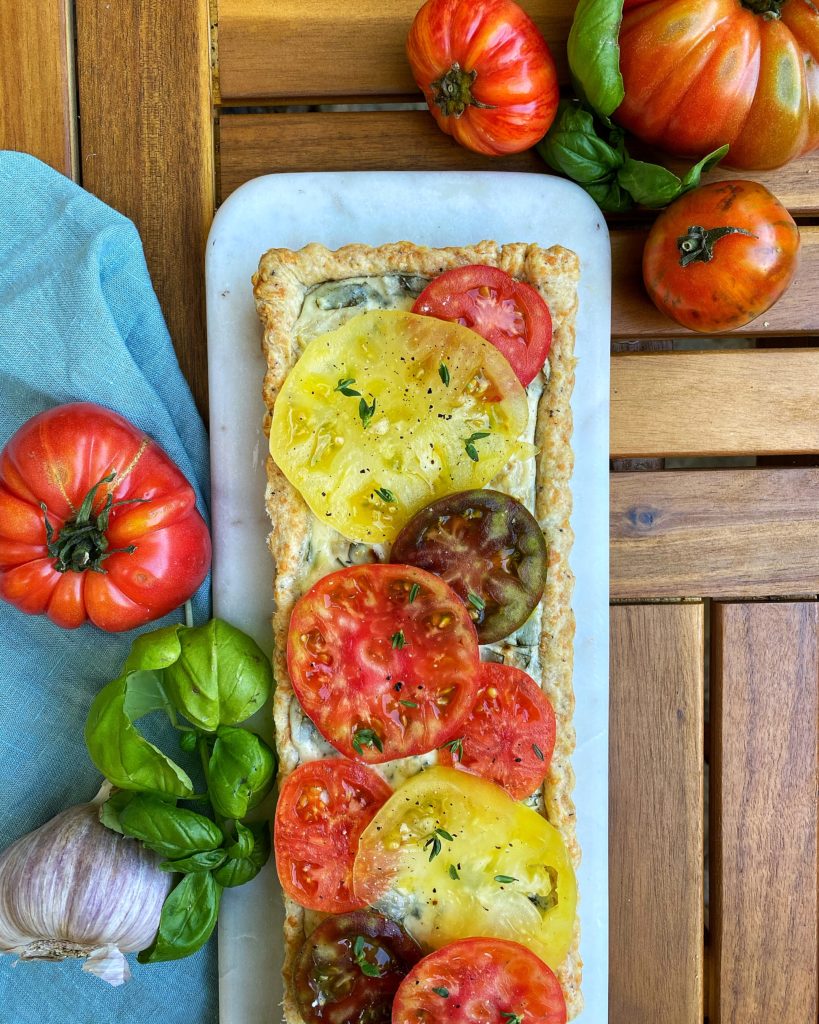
(323, 808)
(480, 980)
(508, 313)
(510, 735)
(382, 669)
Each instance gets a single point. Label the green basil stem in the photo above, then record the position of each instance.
(697, 245)
(188, 614)
(204, 756)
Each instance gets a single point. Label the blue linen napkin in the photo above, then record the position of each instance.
(79, 321)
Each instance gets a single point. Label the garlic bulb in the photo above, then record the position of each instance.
(73, 888)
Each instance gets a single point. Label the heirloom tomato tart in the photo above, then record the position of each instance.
(419, 498)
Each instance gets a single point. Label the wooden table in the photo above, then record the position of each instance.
(163, 107)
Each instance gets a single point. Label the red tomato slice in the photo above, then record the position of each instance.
(480, 980)
(384, 659)
(510, 736)
(323, 808)
(508, 313)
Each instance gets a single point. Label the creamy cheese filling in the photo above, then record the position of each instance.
(326, 307)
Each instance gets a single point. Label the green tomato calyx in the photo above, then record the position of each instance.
(452, 92)
(81, 542)
(769, 9)
(697, 245)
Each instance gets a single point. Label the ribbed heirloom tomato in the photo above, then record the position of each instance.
(96, 522)
(720, 255)
(700, 73)
(486, 72)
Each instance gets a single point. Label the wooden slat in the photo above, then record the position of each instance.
(148, 146)
(724, 533)
(301, 48)
(656, 815)
(409, 140)
(406, 140)
(764, 709)
(735, 402)
(634, 315)
(37, 110)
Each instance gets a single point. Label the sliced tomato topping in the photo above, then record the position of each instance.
(453, 855)
(350, 967)
(489, 549)
(384, 659)
(510, 735)
(508, 313)
(490, 980)
(323, 808)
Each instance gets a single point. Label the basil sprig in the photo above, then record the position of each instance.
(597, 159)
(206, 680)
(583, 143)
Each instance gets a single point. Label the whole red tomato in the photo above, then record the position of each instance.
(486, 72)
(96, 522)
(720, 256)
(700, 73)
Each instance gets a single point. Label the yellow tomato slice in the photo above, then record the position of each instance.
(390, 411)
(453, 856)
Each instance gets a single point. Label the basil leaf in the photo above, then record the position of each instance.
(593, 49)
(240, 772)
(245, 841)
(655, 186)
(236, 871)
(113, 806)
(692, 178)
(145, 694)
(171, 831)
(220, 677)
(648, 184)
(610, 196)
(118, 750)
(154, 651)
(573, 147)
(206, 860)
(188, 917)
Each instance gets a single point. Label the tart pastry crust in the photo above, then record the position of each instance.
(280, 285)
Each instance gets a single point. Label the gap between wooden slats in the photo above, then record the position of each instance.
(303, 48)
(725, 533)
(656, 814)
(37, 88)
(763, 821)
(753, 401)
(254, 144)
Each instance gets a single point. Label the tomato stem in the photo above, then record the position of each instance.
(697, 246)
(770, 9)
(452, 92)
(81, 543)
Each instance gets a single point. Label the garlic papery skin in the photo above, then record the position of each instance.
(74, 888)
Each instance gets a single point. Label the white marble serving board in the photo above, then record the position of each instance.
(435, 209)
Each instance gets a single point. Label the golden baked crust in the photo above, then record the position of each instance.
(283, 279)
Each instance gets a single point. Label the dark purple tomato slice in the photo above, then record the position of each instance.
(488, 548)
(350, 967)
